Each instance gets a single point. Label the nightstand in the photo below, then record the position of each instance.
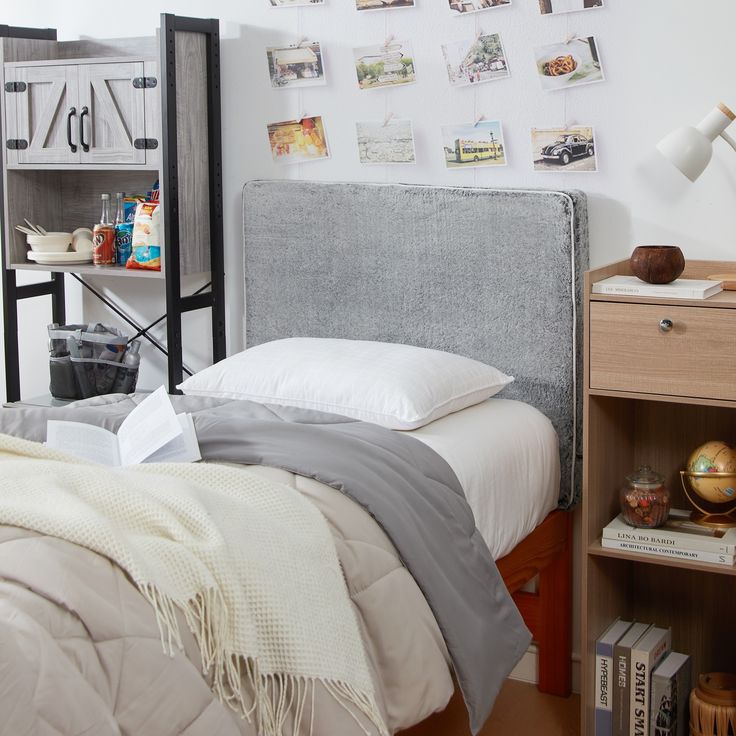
(654, 391)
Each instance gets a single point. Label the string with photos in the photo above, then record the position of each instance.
(387, 114)
(476, 118)
(301, 114)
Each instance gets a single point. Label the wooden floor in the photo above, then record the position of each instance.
(522, 710)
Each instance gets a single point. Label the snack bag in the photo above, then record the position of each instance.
(146, 246)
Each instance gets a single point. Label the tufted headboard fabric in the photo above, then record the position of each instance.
(493, 274)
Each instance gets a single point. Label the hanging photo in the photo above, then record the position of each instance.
(565, 65)
(294, 3)
(469, 145)
(473, 6)
(473, 61)
(296, 66)
(383, 4)
(296, 141)
(390, 142)
(552, 7)
(567, 150)
(387, 65)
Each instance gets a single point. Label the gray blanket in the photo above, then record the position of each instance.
(405, 486)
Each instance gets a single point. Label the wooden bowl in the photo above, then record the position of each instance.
(657, 264)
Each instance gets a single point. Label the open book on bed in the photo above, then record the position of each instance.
(152, 433)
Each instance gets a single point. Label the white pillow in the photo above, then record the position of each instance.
(396, 386)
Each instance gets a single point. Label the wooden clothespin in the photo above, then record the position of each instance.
(388, 117)
(479, 119)
(571, 37)
(387, 41)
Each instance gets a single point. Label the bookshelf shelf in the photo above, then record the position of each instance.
(596, 549)
(652, 397)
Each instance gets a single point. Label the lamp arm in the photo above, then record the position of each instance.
(731, 142)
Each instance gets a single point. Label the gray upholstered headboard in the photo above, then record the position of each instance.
(493, 274)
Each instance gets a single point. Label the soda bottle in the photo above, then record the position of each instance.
(103, 236)
(123, 233)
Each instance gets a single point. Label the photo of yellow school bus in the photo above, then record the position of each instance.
(473, 144)
(468, 150)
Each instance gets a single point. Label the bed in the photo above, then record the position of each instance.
(433, 271)
(491, 274)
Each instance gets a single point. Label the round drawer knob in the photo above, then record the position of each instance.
(665, 325)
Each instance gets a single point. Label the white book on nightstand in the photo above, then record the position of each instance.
(677, 289)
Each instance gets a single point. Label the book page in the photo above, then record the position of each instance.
(150, 426)
(182, 449)
(83, 440)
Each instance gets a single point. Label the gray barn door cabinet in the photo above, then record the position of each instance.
(79, 118)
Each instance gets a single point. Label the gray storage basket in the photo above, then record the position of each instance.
(86, 360)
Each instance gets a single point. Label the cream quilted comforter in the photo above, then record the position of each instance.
(80, 649)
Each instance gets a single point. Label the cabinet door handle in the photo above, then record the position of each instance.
(85, 111)
(666, 325)
(72, 113)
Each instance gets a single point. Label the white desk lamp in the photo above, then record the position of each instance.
(690, 150)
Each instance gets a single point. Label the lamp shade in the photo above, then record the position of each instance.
(688, 149)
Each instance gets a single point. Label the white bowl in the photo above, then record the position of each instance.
(83, 245)
(50, 243)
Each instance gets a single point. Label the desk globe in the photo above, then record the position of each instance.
(709, 481)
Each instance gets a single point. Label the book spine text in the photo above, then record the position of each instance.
(684, 554)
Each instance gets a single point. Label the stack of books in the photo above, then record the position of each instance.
(679, 538)
(641, 687)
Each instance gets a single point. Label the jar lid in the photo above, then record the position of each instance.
(645, 477)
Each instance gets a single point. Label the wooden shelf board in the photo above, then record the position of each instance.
(127, 168)
(669, 399)
(115, 271)
(596, 549)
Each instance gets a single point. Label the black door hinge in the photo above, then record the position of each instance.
(144, 143)
(144, 82)
(15, 86)
(17, 144)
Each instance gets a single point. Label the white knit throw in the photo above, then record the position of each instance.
(250, 563)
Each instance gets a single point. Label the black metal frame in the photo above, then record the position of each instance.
(176, 304)
(12, 293)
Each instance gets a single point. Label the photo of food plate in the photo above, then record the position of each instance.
(565, 65)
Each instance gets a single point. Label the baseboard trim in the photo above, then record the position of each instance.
(528, 667)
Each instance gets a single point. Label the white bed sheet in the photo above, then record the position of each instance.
(506, 456)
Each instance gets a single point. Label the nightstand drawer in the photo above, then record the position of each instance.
(630, 350)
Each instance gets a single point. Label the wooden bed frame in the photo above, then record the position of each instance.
(546, 552)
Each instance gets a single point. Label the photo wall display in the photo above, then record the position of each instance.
(564, 150)
(390, 64)
(565, 65)
(475, 60)
(383, 4)
(469, 145)
(555, 7)
(294, 3)
(297, 141)
(460, 7)
(388, 142)
(299, 65)
(469, 62)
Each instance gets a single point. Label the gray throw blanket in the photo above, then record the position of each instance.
(405, 486)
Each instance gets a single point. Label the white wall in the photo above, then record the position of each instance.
(666, 63)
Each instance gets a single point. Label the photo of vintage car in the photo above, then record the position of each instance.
(564, 149)
(567, 148)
